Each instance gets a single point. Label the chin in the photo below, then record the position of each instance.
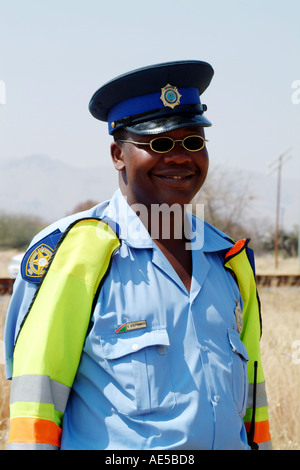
(178, 199)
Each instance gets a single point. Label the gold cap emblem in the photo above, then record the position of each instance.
(170, 96)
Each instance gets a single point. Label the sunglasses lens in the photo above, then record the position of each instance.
(193, 143)
(162, 144)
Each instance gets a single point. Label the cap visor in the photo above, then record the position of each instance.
(167, 124)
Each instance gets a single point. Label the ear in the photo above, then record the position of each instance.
(117, 156)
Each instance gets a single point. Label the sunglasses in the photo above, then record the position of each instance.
(192, 143)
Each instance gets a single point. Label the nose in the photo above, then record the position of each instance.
(178, 154)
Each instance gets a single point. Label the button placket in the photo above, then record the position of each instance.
(215, 398)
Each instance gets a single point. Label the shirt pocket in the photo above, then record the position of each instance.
(140, 373)
(239, 371)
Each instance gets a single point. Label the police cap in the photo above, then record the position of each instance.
(155, 99)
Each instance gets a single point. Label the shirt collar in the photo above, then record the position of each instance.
(215, 240)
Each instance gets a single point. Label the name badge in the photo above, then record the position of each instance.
(135, 325)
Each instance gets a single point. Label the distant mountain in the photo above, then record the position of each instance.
(42, 186)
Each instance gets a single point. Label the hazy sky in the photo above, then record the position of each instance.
(55, 54)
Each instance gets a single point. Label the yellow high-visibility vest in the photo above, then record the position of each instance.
(256, 418)
(50, 342)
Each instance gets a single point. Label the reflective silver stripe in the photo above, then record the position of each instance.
(40, 389)
(265, 445)
(261, 396)
(30, 446)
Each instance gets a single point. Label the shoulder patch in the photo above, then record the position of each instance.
(37, 257)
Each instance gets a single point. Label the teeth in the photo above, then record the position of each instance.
(176, 177)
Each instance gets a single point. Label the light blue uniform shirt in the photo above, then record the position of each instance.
(181, 382)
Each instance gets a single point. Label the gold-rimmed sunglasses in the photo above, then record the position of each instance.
(192, 143)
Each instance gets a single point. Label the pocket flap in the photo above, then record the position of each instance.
(237, 345)
(117, 346)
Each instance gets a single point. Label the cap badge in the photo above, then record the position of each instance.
(170, 96)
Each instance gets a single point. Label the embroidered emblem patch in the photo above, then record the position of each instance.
(170, 96)
(239, 316)
(36, 259)
(136, 325)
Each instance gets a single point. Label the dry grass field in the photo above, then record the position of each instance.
(280, 346)
(4, 384)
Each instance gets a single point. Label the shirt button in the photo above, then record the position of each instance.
(203, 348)
(161, 349)
(135, 346)
(217, 398)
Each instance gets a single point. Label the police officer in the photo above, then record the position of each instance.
(169, 348)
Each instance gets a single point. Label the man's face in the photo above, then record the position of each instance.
(152, 178)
